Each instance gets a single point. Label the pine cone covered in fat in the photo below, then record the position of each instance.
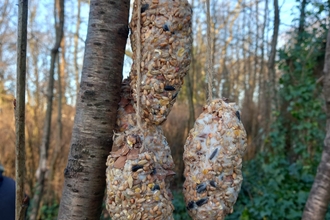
(213, 160)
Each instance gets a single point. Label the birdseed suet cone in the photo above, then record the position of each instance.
(138, 175)
(213, 160)
(166, 44)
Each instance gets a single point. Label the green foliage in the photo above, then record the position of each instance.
(49, 212)
(273, 188)
(104, 215)
(180, 211)
(278, 181)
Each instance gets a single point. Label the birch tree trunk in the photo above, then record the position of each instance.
(42, 168)
(319, 197)
(19, 105)
(97, 103)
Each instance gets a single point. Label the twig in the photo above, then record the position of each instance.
(319, 80)
(209, 54)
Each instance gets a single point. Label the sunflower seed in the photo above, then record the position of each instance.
(169, 88)
(136, 167)
(238, 115)
(201, 187)
(155, 187)
(213, 154)
(144, 7)
(213, 183)
(202, 201)
(191, 205)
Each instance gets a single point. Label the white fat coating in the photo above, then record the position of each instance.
(213, 153)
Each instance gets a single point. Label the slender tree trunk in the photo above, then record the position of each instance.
(37, 108)
(42, 169)
(272, 55)
(62, 65)
(20, 107)
(254, 111)
(319, 197)
(244, 36)
(190, 94)
(97, 104)
(34, 140)
(228, 37)
(263, 105)
(58, 145)
(302, 18)
(75, 53)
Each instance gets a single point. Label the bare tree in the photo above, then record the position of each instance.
(42, 169)
(75, 53)
(189, 90)
(33, 59)
(97, 104)
(19, 105)
(319, 197)
(265, 110)
(272, 55)
(59, 133)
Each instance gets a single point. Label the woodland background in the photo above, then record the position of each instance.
(268, 57)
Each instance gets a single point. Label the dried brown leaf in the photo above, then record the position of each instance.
(124, 150)
(123, 101)
(120, 162)
(133, 154)
(116, 153)
(129, 109)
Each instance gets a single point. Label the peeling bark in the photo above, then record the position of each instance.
(97, 103)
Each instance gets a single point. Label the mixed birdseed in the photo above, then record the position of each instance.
(213, 160)
(166, 39)
(138, 176)
(140, 166)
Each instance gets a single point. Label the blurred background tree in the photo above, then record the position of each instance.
(268, 57)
